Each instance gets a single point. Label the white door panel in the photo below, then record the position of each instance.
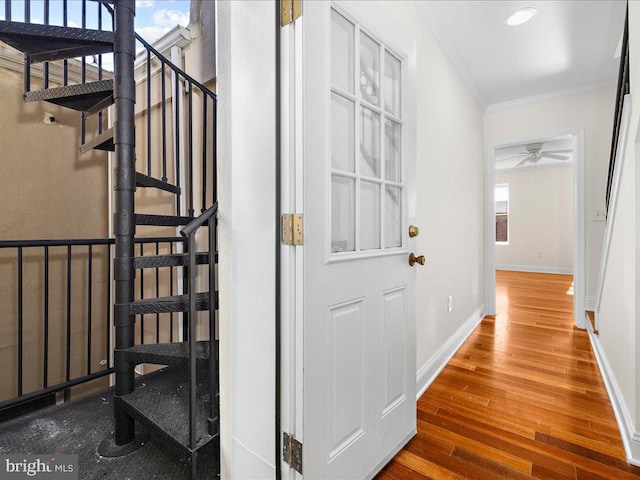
(359, 291)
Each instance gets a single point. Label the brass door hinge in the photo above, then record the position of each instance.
(292, 452)
(290, 11)
(291, 229)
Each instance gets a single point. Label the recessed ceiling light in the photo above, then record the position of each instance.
(521, 16)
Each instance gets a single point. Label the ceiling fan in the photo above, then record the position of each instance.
(534, 153)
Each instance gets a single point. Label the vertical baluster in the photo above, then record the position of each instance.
(99, 64)
(157, 295)
(204, 152)
(89, 295)
(190, 121)
(83, 128)
(177, 132)
(7, 10)
(142, 296)
(213, 344)
(27, 11)
(214, 158)
(149, 112)
(46, 64)
(84, 59)
(164, 127)
(171, 293)
(20, 320)
(27, 58)
(45, 377)
(192, 346)
(65, 67)
(108, 304)
(68, 374)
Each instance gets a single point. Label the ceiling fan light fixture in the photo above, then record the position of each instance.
(521, 16)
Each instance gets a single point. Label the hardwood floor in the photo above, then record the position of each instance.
(522, 398)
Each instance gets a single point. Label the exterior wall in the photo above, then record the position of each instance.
(48, 191)
(540, 220)
(592, 112)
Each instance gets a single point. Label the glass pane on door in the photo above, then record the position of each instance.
(342, 133)
(369, 215)
(391, 84)
(343, 214)
(393, 217)
(392, 151)
(342, 52)
(369, 143)
(369, 69)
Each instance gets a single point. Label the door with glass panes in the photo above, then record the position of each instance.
(359, 193)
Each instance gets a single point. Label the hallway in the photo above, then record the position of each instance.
(522, 398)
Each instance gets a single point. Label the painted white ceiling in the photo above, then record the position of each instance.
(504, 160)
(568, 47)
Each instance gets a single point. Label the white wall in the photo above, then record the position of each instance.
(540, 220)
(593, 113)
(247, 243)
(450, 198)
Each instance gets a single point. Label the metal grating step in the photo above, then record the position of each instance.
(176, 303)
(81, 97)
(175, 354)
(162, 220)
(49, 42)
(162, 404)
(104, 141)
(146, 181)
(172, 260)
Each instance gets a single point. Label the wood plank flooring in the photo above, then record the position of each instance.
(522, 398)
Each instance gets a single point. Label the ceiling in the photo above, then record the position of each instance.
(505, 162)
(568, 47)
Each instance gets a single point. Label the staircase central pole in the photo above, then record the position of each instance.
(124, 218)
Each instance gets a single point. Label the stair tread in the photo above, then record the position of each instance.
(174, 303)
(79, 97)
(146, 181)
(170, 260)
(52, 42)
(103, 141)
(167, 353)
(162, 220)
(162, 403)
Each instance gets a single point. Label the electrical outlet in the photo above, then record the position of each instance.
(450, 303)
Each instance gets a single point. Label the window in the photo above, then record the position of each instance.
(502, 214)
(367, 185)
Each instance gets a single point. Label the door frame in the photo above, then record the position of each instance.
(579, 226)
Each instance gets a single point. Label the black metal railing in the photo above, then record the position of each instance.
(56, 313)
(177, 145)
(622, 90)
(208, 217)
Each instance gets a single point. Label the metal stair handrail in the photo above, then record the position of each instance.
(189, 231)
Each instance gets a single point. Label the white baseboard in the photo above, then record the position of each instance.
(590, 304)
(630, 437)
(428, 372)
(535, 269)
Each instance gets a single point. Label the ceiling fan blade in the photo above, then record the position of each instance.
(555, 157)
(558, 151)
(511, 158)
(524, 160)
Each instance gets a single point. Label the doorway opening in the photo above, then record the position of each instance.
(535, 214)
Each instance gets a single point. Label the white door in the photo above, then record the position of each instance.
(359, 384)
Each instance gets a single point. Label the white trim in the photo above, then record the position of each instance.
(630, 437)
(613, 199)
(429, 371)
(590, 304)
(550, 96)
(579, 227)
(534, 268)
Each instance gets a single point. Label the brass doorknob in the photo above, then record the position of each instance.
(413, 259)
(413, 231)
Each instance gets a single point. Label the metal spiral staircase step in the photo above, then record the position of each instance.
(171, 260)
(175, 303)
(145, 181)
(174, 354)
(50, 42)
(103, 141)
(161, 220)
(162, 405)
(81, 97)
